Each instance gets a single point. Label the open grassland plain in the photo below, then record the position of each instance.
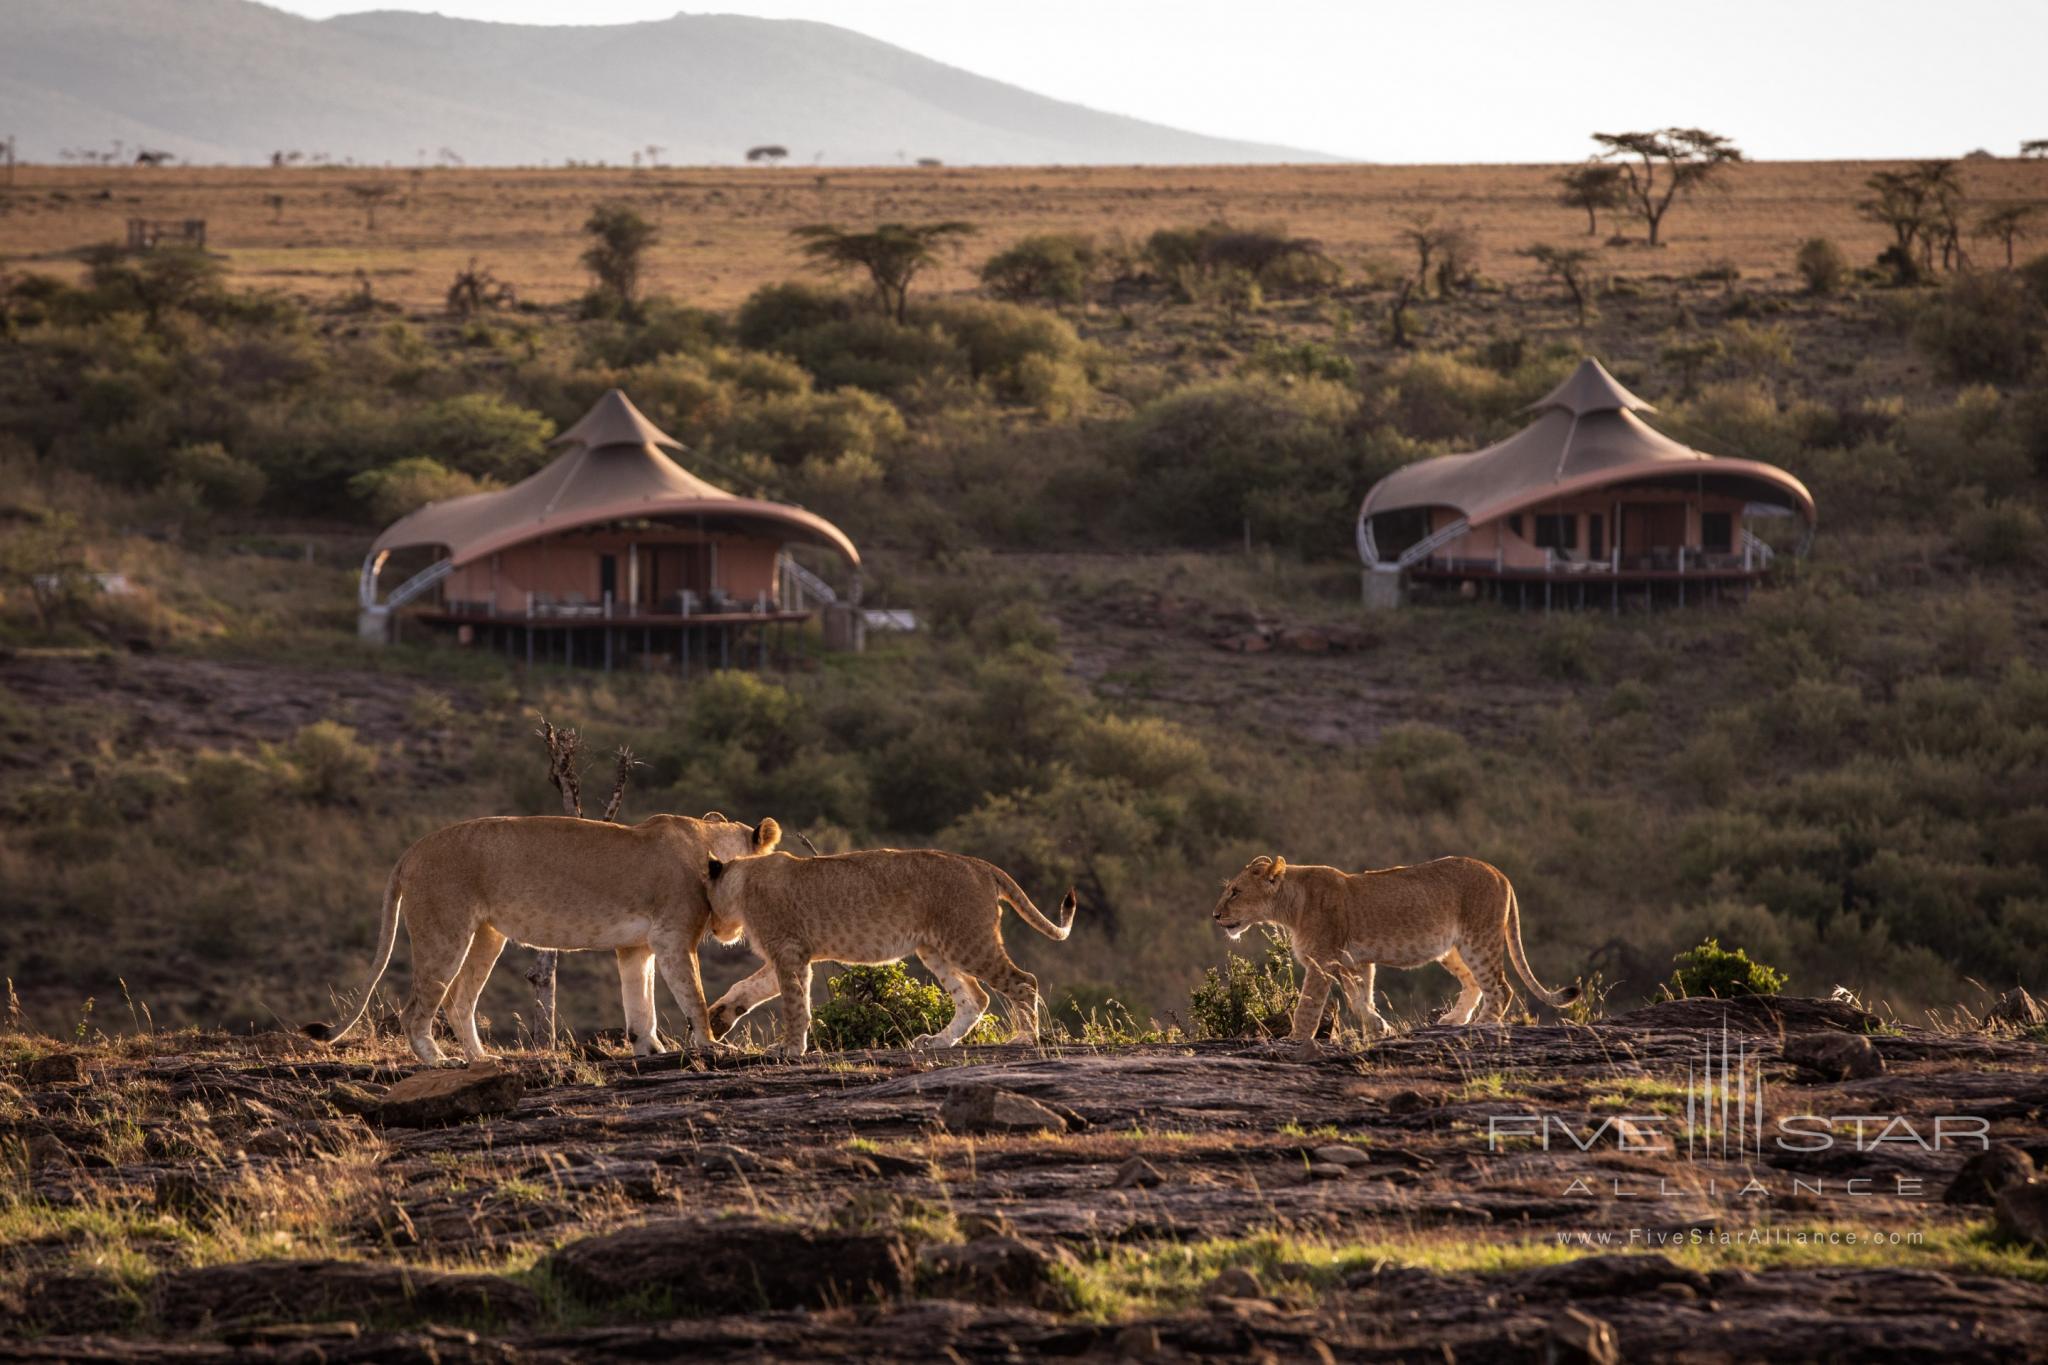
(194, 1197)
(725, 232)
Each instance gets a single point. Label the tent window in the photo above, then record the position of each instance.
(1717, 532)
(1596, 536)
(1559, 532)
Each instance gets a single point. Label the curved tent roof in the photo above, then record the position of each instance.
(1586, 435)
(612, 467)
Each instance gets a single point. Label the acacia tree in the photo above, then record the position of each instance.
(2034, 146)
(619, 238)
(1922, 206)
(1660, 167)
(1450, 246)
(771, 153)
(369, 196)
(1568, 266)
(1594, 186)
(2007, 223)
(891, 254)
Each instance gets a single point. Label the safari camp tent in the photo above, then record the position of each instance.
(612, 552)
(1586, 504)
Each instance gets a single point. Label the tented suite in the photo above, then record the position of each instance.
(614, 554)
(1587, 505)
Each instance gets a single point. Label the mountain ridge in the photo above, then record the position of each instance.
(234, 80)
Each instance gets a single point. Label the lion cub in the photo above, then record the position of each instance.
(874, 907)
(1457, 911)
(552, 881)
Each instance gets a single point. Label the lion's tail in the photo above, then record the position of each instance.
(387, 939)
(1007, 890)
(1554, 999)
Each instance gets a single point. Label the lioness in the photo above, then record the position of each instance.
(1457, 911)
(874, 907)
(552, 881)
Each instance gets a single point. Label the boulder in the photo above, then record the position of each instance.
(731, 1265)
(1327, 1170)
(1833, 1056)
(1612, 1277)
(1988, 1172)
(1342, 1154)
(292, 1291)
(428, 1099)
(2019, 1009)
(1249, 643)
(1238, 1282)
(1577, 1335)
(982, 1108)
(1136, 1174)
(47, 1149)
(59, 1068)
(998, 1270)
(720, 1158)
(1403, 1102)
(2020, 1213)
(68, 1304)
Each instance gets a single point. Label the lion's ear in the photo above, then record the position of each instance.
(767, 836)
(1259, 864)
(1279, 866)
(715, 817)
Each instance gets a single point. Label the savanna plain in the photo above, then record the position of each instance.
(1109, 454)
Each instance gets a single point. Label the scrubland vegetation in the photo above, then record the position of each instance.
(1844, 776)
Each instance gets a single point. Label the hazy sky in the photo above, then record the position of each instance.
(1466, 80)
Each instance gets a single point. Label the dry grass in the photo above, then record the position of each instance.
(724, 232)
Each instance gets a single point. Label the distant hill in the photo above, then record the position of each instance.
(233, 81)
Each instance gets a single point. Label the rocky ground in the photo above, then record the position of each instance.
(201, 1198)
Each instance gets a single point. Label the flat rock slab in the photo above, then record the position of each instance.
(293, 1291)
(720, 1264)
(428, 1099)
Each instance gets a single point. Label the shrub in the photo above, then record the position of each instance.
(222, 480)
(776, 311)
(409, 485)
(877, 1007)
(881, 355)
(1984, 326)
(1053, 266)
(1722, 973)
(1432, 768)
(1000, 339)
(332, 767)
(2000, 533)
(479, 434)
(1246, 999)
(1568, 650)
(1822, 265)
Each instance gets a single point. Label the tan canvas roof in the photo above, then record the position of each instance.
(1586, 434)
(612, 468)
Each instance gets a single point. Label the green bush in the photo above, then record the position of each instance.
(1712, 970)
(1984, 326)
(332, 767)
(1055, 267)
(222, 480)
(1247, 999)
(1426, 766)
(2000, 533)
(886, 1007)
(1822, 265)
(409, 485)
(776, 311)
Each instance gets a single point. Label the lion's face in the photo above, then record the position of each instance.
(728, 840)
(1247, 898)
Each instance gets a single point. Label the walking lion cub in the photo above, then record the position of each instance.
(1457, 911)
(553, 881)
(875, 907)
